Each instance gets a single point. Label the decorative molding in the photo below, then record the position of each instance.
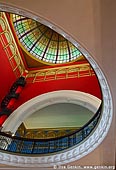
(90, 143)
(62, 96)
(44, 133)
(57, 73)
(10, 47)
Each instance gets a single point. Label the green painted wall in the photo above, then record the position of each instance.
(59, 115)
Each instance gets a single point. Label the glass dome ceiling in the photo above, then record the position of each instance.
(42, 42)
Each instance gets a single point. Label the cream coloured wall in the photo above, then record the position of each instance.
(92, 23)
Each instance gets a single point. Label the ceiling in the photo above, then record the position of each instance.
(42, 43)
(92, 24)
(50, 63)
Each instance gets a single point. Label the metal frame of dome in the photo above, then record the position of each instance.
(43, 43)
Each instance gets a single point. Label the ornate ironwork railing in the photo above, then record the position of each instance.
(45, 146)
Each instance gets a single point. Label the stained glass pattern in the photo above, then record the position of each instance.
(44, 43)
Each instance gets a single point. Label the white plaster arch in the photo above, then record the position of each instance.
(63, 96)
(89, 144)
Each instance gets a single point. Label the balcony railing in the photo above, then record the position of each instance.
(45, 146)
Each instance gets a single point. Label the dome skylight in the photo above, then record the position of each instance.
(42, 42)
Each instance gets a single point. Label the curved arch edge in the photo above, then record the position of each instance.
(90, 143)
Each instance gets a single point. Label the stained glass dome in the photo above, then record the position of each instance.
(42, 42)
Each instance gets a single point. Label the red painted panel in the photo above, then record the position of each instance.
(7, 76)
(85, 84)
(2, 119)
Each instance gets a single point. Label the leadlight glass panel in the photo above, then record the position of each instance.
(42, 42)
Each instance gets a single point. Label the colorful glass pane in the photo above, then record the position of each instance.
(42, 42)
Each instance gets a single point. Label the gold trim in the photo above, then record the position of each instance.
(61, 67)
(57, 73)
(44, 133)
(13, 47)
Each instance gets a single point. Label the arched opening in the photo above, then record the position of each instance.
(99, 133)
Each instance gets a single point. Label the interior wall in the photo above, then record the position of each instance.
(7, 77)
(92, 23)
(58, 116)
(85, 84)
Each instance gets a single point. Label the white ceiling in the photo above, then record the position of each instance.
(59, 115)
